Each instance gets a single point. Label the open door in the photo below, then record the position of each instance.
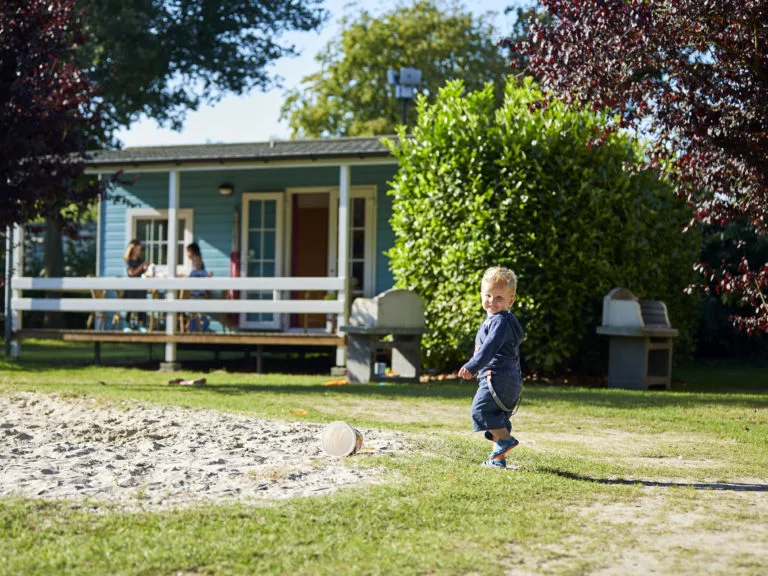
(309, 249)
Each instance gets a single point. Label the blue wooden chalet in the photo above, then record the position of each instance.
(292, 232)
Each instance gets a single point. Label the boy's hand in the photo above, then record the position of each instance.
(464, 373)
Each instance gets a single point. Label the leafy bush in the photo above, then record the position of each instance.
(527, 186)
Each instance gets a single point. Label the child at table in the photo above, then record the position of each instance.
(198, 271)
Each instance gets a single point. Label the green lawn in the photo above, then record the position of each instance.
(606, 480)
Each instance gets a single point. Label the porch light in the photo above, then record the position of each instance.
(226, 189)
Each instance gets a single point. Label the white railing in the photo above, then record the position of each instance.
(279, 287)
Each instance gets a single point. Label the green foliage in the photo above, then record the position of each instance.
(528, 187)
(161, 59)
(350, 96)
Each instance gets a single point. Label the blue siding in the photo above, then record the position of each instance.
(214, 214)
(147, 192)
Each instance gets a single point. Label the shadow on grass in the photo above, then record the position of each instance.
(615, 399)
(730, 486)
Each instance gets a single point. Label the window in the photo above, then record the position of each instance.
(362, 242)
(151, 227)
(153, 233)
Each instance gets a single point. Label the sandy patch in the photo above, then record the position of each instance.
(718, 533)
(138, 455)
(661, 533)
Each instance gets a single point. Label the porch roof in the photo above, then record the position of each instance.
(274, 151)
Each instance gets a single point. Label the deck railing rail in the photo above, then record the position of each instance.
(280, 288)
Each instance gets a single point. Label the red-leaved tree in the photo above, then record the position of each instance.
(692, 75)
(44, 113)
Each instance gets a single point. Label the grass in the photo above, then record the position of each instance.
(604, 478)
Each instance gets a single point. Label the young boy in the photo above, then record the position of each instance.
(496, 362)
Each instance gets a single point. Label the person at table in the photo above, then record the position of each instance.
(135, 267)
(198, 271)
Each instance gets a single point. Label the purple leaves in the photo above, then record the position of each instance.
(694, 75)
(43, 101)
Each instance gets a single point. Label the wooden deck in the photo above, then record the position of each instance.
(245, 338)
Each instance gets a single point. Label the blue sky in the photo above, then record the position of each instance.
(255, 117)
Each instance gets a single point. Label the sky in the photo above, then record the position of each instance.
(255, 117)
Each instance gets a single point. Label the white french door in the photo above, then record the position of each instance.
(261, 254)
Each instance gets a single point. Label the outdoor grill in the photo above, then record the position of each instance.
(640, 341)
(392, 321)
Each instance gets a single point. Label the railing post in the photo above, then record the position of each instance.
(8, 275)
(342, 269)
(174, 187)
(18, 270)
(99, 211)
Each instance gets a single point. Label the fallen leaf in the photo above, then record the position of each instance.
(336, 383)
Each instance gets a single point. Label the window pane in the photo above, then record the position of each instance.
(180, 231)
(162, 258)
(143, 229)
(256, 316)
(180, 251)
(254, 213)
(358, 212)
(269, 246)
(358, 244)
(270, 208)
(356, 277)
(160, 230)
(268, 269)
(254, 245)
(254, 271)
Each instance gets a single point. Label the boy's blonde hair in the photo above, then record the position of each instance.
(500, 275)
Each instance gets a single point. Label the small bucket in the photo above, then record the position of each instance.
(341, 439)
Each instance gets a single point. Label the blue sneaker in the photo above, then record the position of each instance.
(494, 463)
(502, 447)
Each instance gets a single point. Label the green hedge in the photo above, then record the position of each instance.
(523, 186)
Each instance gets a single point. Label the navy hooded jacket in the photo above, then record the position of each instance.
(497, 345)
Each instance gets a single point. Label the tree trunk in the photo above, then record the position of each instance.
(54, 267)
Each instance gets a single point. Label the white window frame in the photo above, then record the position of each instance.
(279, 240)
(369, 257)
(369, 270)
(186, 214)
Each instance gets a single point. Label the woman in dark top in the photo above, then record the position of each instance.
(135, 267)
